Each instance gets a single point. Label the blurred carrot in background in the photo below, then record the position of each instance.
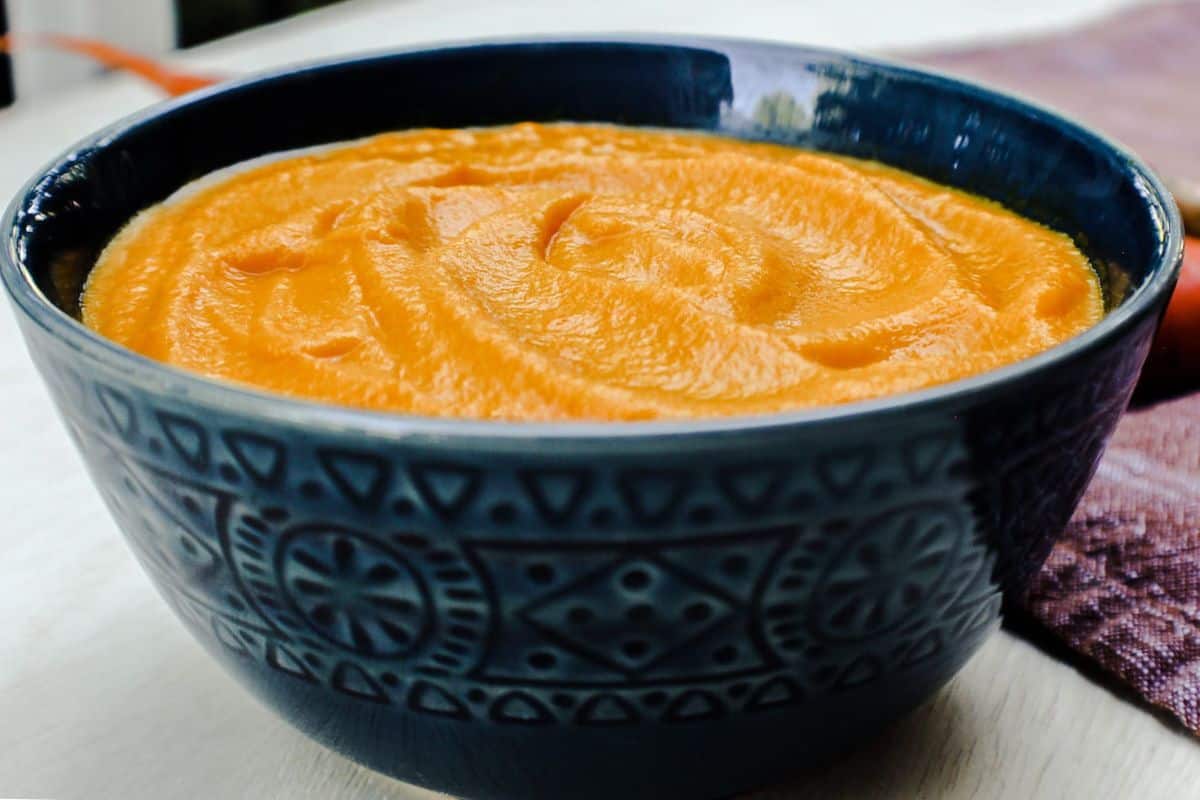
(171, 81)
(1174, 364)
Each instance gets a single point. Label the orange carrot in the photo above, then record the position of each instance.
(1174, 364)
(169, 80)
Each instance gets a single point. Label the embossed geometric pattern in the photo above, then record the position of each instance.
(166, 540)
(556, 493)
(187, 438)
(354, 592)
(261, 458)
(656, 608)
(785, 601)
(363, 572)
(447, 488)
(1057, 443)
(678, 611)
(891, 567)
(361, 477)
(118, 409)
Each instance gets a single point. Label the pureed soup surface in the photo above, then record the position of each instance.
(543, 272)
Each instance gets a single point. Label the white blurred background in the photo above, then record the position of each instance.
(157, 26)
(144, 25)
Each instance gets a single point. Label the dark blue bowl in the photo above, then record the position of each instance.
(680, 609)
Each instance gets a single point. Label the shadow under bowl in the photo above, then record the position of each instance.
(672, 609)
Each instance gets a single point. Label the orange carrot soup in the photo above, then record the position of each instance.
(549, 272)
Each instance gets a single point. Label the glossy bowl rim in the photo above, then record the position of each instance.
(388, 425)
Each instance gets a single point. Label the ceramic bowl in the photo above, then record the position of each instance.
(670, 609)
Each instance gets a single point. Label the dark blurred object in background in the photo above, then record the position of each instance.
(199, 21)
(6, 84)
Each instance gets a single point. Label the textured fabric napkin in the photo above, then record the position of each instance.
(1134, 75)
(1122, 588)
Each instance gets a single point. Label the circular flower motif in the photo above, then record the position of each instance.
(887, 572)
(355, 592)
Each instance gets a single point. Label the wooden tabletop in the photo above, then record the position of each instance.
(104, 695)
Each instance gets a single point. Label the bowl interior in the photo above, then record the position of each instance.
(957, 134)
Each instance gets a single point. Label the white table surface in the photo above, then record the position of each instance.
(104, 695)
